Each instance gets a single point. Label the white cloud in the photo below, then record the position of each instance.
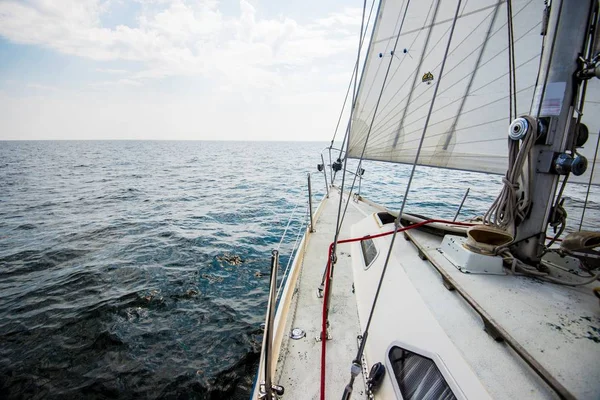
(180, 39)
(112, 71)
(270, 78)
(38, 86)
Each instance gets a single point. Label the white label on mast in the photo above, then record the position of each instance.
(553, 99)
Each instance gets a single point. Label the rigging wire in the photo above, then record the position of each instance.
(341, 220)
(331, 262)
(587, 194)
(287, 226)
(382, 137)
(426, 124)
(397, 68)
(503, 213)
(414, 82)
(354, 73)
(354, 93)
(356, 174)
(472, 79)
(433, 113)
(385, 51)
(456, 66)
(301, 228)
(337, 232)
(559, 214)
(414, 166)
(512, 78)
(590, 54)
(346, 141)
(382, 123)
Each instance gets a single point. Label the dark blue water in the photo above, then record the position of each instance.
(140, 269)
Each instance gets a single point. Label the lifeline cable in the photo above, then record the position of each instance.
(397, 224)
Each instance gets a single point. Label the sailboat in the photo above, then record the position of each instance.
(386, 304)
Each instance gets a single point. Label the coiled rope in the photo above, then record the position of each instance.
(512, 205)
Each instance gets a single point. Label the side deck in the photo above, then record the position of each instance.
(299, 362)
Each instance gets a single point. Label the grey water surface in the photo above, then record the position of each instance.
(139, 269)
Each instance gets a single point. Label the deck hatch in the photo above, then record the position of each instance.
(369, 251)
(417, 376)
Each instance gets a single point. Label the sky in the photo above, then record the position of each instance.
(175, 69)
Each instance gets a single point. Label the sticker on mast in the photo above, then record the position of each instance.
(553, 99)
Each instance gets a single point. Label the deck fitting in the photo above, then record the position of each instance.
(320, 292)
(297, 333)
(447, 284)
(492, 331)
(329, 337)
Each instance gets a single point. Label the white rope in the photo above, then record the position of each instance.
(512, 204)
(520, 268)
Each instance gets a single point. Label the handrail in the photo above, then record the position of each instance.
(461, 204)
(325, 175)
(266, 388)
(329, 148)
(312, 226)
(270, 343)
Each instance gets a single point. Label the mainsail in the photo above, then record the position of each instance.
(468, 126)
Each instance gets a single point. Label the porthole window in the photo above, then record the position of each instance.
(417, 376)
(369, 251)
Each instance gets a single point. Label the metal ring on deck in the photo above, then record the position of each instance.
(297, 333)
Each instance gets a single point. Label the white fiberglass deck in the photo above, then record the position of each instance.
(559, 326)
(556, 325)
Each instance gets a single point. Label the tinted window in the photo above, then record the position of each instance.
(418, 377)
(386, 218)
(369, 251)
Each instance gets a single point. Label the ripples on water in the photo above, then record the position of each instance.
(112, 276)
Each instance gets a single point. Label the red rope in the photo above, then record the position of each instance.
(327, 285)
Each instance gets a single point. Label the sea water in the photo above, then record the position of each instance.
(140, 269)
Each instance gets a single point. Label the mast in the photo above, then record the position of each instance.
(567, 32)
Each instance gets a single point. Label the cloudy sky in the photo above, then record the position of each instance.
(175, 69)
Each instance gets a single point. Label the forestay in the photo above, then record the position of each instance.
(469, 122)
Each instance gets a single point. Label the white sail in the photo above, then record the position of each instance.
(469, 123)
